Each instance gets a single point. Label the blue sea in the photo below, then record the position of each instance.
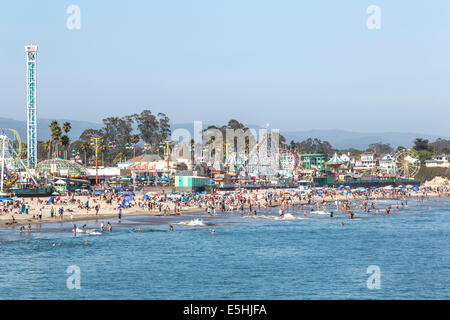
(262, 257)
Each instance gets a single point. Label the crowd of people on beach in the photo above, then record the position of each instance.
(242, 201)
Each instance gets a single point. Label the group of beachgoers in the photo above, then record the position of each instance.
(245, 202)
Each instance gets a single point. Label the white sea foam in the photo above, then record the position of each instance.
(320, 212)
(287, 216)
(88, 231)
(193, 223)
(93, 232)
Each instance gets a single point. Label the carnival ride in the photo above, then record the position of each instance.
(262, 159)
(406, 164)
(288, 160)
(11, 163)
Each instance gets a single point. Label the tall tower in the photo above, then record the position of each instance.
(31, 51)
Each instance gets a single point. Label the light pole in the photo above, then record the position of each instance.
(95, 142)
(167, 152)
(226, 152)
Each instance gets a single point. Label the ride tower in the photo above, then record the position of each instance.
(31, 51)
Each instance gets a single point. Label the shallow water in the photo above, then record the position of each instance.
(262, 257)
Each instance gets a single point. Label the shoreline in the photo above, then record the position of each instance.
(25, 219)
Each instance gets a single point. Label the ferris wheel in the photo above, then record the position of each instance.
(406, 164)
(288, 160)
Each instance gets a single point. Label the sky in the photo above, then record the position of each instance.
(295, 65)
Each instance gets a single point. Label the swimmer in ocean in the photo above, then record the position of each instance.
(331, 214)
(213, 231)
(170, 228)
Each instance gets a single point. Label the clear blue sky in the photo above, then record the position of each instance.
(297, 65)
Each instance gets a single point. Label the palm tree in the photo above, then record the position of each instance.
(48, 147)
(85, 147)
(134, 139)
(55, 130)
(66, 126)
(65, 142)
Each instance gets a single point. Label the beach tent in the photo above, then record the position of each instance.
(60, 182)
(51, 200)
(5, 199)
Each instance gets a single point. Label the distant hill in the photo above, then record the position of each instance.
(43, 127)
(340, 139)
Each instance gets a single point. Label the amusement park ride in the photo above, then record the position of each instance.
(285, 163)
(13, 168)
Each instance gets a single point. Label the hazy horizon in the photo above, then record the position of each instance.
(296, 66)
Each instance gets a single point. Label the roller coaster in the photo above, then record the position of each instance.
(11, 163)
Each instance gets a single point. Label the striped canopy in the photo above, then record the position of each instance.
(335, 160)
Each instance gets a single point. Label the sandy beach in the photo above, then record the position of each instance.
(110, 211)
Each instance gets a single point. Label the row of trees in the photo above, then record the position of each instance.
(59, 143)
(125, 137)
(121, 136)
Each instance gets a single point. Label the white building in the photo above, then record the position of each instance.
(368, 160)
(386, 163)
(438, 162)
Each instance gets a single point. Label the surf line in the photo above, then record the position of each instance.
(211, 311)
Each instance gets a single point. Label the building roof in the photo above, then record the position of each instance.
(153, 157)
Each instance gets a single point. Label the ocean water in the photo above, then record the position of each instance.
(262, 257)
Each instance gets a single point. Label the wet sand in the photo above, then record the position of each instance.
(109, 211)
